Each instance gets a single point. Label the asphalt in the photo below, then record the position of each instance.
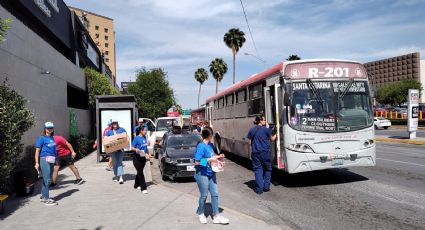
(390, 195)
(102, 204)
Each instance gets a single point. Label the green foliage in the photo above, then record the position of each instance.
(15, 120)
(201, 75)
(234, 39)
(293, 57)
(218, 68)
(73, 124)
(395, 93)
(82, 145)
(4, 27)
(153, 93)
(98, 84)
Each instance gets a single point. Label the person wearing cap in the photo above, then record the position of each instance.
(117, 156)
(140, 148)
(259, 138)
(45, 158)
(66, 155)
(109, 166)
(140, 123)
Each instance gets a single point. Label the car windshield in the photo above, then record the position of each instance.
(330, 106)
(183, 141)
(164, 124)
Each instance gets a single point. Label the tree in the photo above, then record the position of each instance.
(4, 27)
(98, 84)
(218, 68)
(201, 75)
(395, 93)
(234, 39)
(15, 120)
(293, 57)
(153, 93)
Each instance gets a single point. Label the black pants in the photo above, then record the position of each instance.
(139, 163)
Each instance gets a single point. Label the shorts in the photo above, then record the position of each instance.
(66, 160)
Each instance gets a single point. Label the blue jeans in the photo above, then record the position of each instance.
(206, 184)
(46, 171)
(117, 158)
(262, 166)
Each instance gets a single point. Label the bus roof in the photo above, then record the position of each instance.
(278, 68)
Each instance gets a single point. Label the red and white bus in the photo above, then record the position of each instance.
(321, 108)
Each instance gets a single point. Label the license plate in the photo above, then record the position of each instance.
(336, 162)
(190, 168)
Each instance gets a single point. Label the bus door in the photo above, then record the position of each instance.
(271, 111)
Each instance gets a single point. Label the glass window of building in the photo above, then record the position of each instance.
(106, 30)
(106, 45)
(96, 27)
(96, 35)
(106, 52)
(106, 59)
(106, 37)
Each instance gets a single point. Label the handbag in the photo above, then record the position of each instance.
(51, 159)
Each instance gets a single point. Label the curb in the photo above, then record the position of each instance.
(405, 141)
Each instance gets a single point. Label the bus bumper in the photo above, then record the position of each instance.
(302, 162)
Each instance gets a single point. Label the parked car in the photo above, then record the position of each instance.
(381, 122)
(176, 153)
(400, 110)
(151, 130)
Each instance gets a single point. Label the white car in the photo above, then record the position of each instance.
(151, 132)
(381, 122)
(162, 126)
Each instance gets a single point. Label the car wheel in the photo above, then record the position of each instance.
(386, 127)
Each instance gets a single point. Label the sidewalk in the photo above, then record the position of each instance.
(103, 204)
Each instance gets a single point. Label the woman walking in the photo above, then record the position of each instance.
(117, 156)
(45, 158)
(140, 148)
(205, 177)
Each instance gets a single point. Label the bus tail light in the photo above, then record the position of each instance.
(304, 148)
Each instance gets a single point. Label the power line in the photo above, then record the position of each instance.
(249, 29)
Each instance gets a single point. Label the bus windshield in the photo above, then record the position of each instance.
(330, 106)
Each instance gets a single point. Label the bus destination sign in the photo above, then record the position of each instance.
(325, 70)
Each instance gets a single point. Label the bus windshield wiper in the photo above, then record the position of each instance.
(346, 88)
(316, 93)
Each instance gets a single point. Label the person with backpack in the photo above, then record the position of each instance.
(45, 158)
(259, 138)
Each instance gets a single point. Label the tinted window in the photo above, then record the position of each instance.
(255, 91)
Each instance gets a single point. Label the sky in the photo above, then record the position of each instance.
(182, 36)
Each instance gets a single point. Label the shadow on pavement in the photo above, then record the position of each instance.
(305, 179)
(97, 228)
(208, 210)
(65, 194)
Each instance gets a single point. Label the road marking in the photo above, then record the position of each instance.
(409, 163)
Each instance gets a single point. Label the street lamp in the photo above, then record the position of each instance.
(261, 60)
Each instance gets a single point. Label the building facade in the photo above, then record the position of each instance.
(42, 58)
(101, 29)
(394, 69)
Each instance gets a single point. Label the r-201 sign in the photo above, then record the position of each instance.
(328, 72)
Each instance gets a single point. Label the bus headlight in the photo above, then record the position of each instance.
(304, 148)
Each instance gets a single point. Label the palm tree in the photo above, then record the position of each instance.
(293, 57)
(234, 39)
(218, 68)
(201, 75)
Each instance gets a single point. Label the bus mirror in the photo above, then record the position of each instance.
(286, 99)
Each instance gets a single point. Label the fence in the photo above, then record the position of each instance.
(396, 115)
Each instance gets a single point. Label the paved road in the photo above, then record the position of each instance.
(388, 196)
(398, 132)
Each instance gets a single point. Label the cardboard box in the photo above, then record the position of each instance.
(115, 142)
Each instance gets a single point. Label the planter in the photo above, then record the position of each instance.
(3, 199)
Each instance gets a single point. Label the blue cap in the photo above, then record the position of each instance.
(49, 125)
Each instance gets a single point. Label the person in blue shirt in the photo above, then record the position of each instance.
(140, 123)
(205, 177)
(45, 158)
(140, 148)
(117, 156)
(259, 138)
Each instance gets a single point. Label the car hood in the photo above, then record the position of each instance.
(181, 153)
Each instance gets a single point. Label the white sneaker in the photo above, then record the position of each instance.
(139, 188)
(50, 202)
(145, 191)
(220, 220)
(114, 179)
(121, 180)
(202, 219)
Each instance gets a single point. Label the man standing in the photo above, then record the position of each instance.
(140, 123)
(259, 138)
(66, 155)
